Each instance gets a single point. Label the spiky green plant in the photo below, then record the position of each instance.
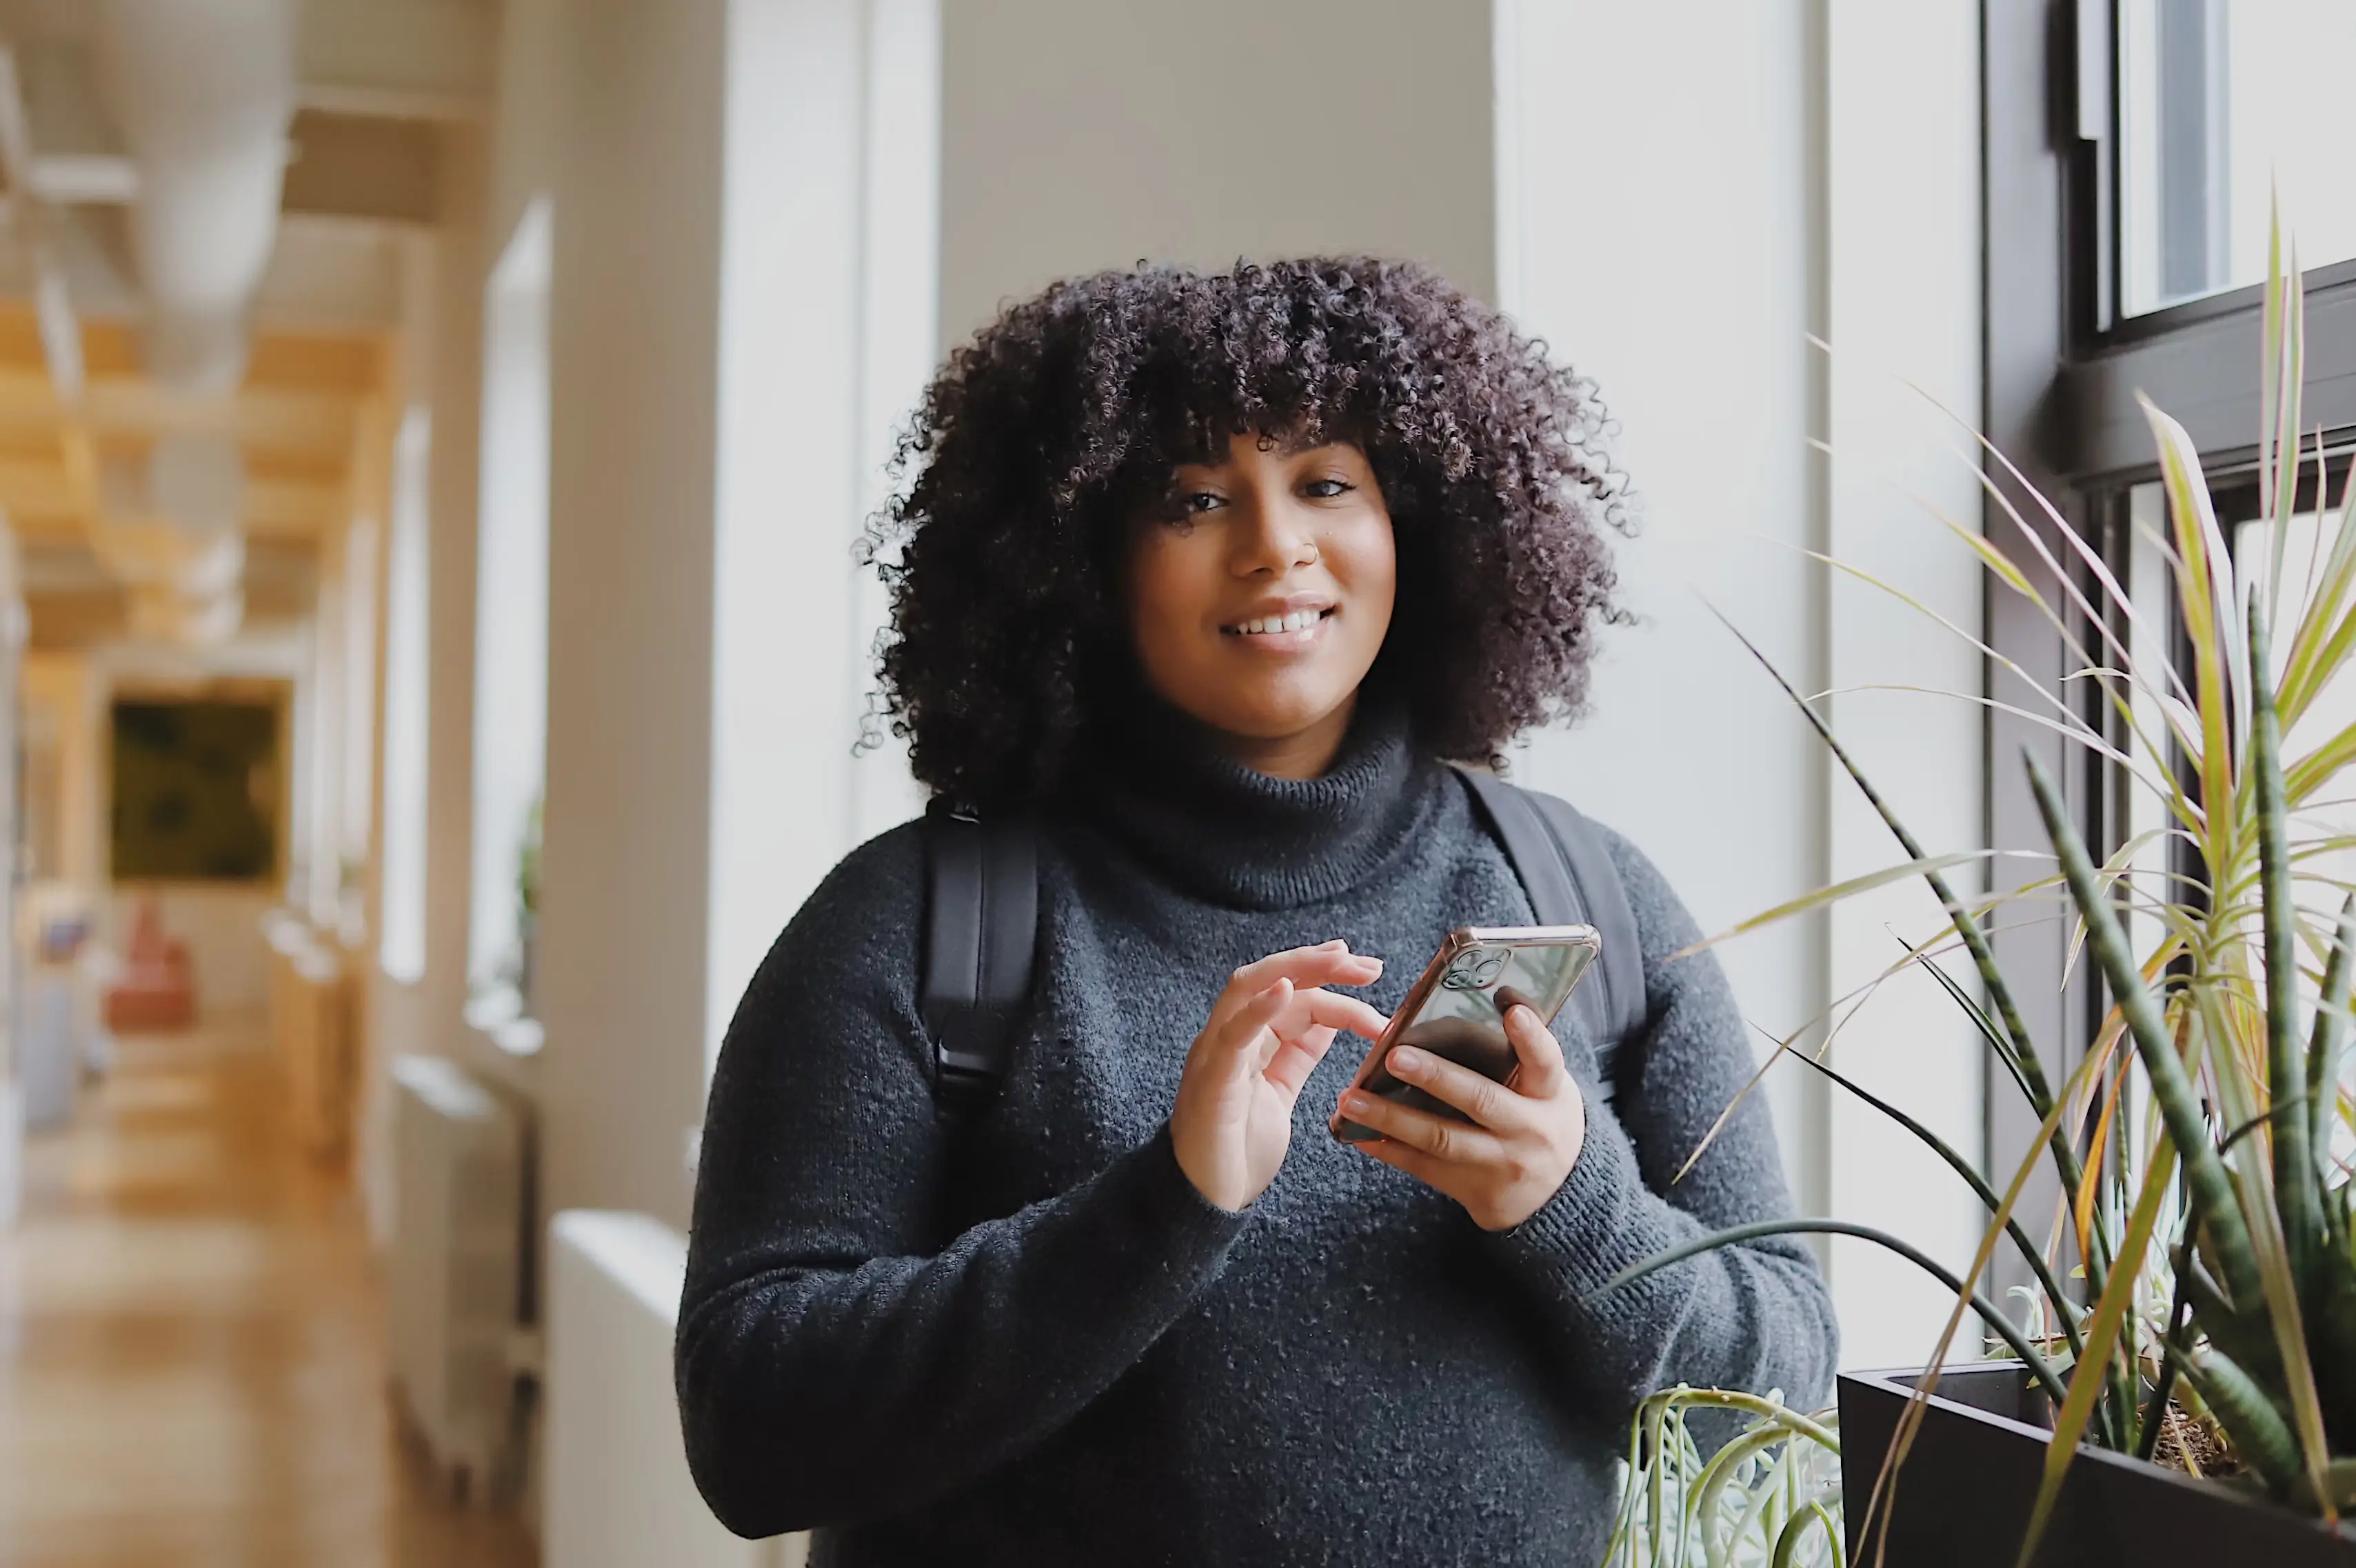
(1768, 1498)
(2219, 1273)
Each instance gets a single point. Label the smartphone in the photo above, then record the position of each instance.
(1457, 1009)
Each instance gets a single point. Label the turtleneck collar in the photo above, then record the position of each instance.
(1227, 834)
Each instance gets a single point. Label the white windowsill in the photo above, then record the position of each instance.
(498, 1017)
(500, 1044)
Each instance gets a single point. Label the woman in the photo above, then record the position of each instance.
(1209, 575)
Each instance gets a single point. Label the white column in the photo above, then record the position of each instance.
(1657, 210)
(1692, 193)
(1904, 261)
(721, 330)
(634, 347)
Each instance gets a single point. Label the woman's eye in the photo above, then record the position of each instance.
(1327, 490)
(1200, 502)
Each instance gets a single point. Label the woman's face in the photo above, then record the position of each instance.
(1260, 597)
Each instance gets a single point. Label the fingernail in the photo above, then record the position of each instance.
(1355, 1103)
(1407, 1058)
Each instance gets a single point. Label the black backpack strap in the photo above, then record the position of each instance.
(1569, 876)
(982, 925)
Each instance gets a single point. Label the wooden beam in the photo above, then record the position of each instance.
(292, 508)
(364, 165)
(431, 60)
(262, 420)
(40, 498)
(344, 166)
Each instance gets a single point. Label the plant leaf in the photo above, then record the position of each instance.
(1905, 871)
(2102, 1335)
(1734, 1236)
(2298, 1188)
(2179, 1106)
(2030, 1252)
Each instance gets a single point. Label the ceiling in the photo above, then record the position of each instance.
(382, 84)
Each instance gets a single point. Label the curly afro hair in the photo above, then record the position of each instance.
(1044, 440)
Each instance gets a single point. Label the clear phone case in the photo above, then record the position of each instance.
(1457, 1009)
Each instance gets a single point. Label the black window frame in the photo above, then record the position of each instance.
(2061, 370)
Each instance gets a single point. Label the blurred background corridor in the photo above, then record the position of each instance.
(194, 1339)
(434, 435)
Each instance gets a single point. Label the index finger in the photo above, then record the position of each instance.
(1331, 963)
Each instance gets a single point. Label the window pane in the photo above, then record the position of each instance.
(401, 946)
(511, 610)
(2221, 103)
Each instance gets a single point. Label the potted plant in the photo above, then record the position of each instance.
(2195, 1402)
(1769, 1493)
(527, 888)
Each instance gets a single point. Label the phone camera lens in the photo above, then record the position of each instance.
(1475, 968)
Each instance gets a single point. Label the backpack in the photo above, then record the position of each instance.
(981, 928)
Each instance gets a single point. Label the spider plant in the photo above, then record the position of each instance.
(2214, 1232)
(1769, 1498)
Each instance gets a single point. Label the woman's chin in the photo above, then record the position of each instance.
(1283, 718)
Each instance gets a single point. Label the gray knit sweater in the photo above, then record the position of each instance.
(1030, 1341)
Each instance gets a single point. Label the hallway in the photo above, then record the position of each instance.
(192, 1364)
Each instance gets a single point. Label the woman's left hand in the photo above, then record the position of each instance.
(1520, 1145)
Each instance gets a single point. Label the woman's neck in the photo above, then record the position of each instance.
(1305, 754)
(1223, 829)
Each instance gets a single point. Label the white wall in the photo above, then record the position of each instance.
(1689, 192)
(1656, 227)
(618, 1492)
(899, 335)
(734, 188)
(790, 483)
(441, 372)
(1079, 134)
(634, 361)
(1904, 281)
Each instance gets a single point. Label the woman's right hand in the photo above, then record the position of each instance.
(1269, 1028)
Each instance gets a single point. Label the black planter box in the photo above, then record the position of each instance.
(1966, 1491)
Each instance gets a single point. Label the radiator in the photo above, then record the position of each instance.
(618, 1494)
(458, 1234)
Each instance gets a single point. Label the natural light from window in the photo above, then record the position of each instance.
(2331, 813)
(401, 950)
(511, 621)
(2221, 103)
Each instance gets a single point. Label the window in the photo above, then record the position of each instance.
(401, 910)
(2127, 243)
(511, 619)
(2222, 105)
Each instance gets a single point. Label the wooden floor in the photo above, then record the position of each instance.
(192, 1364)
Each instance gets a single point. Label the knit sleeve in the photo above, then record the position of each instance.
(838, 1358)
(1756, 1316)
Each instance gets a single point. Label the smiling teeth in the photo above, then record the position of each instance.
(1299, 620)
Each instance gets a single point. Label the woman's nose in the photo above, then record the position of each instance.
(1278, 536)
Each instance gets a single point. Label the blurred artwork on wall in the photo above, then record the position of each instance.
(196, 788)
